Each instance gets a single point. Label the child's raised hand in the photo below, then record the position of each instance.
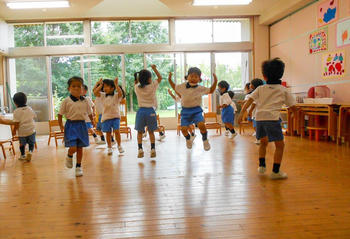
(153, 67)
(215, 78)
(169, 91)
(116, 82)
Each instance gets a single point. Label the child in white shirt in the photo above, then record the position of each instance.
(177, 98)
(24, 117)
(111, 112)
(269, 100)
(145, 89)
(75, 107)
(191, 101)
(255, 83)
(227, 111)
(87, 119)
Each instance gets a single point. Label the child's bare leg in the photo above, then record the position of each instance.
(71, 151)
(139, 137)
(153, 144)
(278, 152)
(262, 148)
(79, 156)
(202, 128)
(204, 133)
(117, 136)
(184, 130)
(109, 139)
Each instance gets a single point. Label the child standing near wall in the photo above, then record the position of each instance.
(75, 107)
(145, 89)
(269, 99)
(191, 101)
(24, 117)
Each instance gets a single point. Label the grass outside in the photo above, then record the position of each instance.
(162, 114)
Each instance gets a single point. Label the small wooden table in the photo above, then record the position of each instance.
(344, 124)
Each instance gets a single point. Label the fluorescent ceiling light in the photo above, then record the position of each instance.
(32, 5)
(220, 2)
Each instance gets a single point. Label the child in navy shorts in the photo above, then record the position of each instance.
(111, 112)
(191, 101)
(269, 100)
(145, 89)
(227, 111)
(75, 107)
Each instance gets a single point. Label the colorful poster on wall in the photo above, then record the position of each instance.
(327, 12)
(318, 41)
(343, 33)
(333, 64)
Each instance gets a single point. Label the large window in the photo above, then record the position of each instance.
(212, 30)
(130, 32)
(63, 68)
(26, 35)
(29, 75)
(233, 68)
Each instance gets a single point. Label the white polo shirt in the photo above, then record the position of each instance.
(75, 110)
(98, 105)
(269, 100)
(191, 97)
(91, 104)
(111, 105)
(25, 117)
(225, 99)
(234, 106)
(146, 96)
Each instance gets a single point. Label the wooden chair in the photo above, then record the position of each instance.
(57, 134)
(211, 121)
(245, 123)
(12, 148)
(124, 128)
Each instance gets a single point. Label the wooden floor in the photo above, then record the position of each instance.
(198, 194)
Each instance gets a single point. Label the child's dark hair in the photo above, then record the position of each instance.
(75, 78)
(256, 83)
(86, 87)
(20, 99)
(143, 77)
(224, 84)
(247, 86)
(194, 70)
(273, 70)
(109, 82)
(231, 94)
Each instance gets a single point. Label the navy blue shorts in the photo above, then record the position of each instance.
(228, 115)
(111, 125)
(270, 129)
(76, 134)
(89, 125)
(146, 117)
(191, 116)
(27, 140)
(99, 124)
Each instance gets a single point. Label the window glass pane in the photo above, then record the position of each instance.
(193, 31)
(28, 75)
(110, 32)
(106, 67)
(227, 30)
(149, 32)
(165, 64)
(133, 63)
(27, 35)
(63, 68)
(233, 68)
(68, 33)
(202, 61)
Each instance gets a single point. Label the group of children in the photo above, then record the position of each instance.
(264, 102)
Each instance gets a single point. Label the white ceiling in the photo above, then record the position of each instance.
(143, 8)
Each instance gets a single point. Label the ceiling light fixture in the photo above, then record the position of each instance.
(33, 5)
(220, 2)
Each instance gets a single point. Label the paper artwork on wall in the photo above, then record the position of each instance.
(343, 33)
(318, 41)
(333, 64)
(327, 12)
